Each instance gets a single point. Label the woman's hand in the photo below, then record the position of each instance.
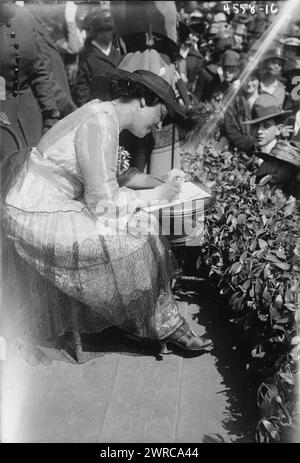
(175, 175)
(168, 191)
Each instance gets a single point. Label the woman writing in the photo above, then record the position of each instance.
(69, 218)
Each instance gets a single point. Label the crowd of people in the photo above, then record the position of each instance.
(265, 110)
(94, 93)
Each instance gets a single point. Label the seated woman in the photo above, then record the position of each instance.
(70, 220)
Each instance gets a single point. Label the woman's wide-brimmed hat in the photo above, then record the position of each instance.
(288, 151)
(265, 107)
(151, 81)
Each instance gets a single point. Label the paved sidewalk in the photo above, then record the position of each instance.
(125, 398)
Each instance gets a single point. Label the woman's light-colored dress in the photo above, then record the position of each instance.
(61, 216)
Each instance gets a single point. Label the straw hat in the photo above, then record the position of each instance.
(266, 107)
(291, 41)
(284, 151)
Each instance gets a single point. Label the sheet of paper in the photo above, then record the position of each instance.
(188, 192)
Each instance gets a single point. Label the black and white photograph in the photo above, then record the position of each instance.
(150, 233)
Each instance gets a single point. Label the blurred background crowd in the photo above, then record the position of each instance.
(53, 53)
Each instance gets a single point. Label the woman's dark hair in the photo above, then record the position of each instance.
(129, 91)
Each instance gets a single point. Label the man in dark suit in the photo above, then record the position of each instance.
(28, 100)
(210, 76)
(98, 55)
(57, 71)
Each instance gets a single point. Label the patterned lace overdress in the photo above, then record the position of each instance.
(70, 223)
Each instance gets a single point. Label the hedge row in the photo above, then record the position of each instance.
(251, 249)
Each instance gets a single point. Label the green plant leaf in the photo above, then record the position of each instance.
(235, 268)
(267, 273)
(282, 265)
(290, 306)
(272, 258)
(262, 244)
(278, 301)
(280, 254)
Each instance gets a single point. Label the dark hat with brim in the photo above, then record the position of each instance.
(221, 43)
(151, 81)
(183, 32)
(292, 65)
(284, 151)
(266, 107)
(99, 21)
(198, 27)
(275, 53)
(230, 58)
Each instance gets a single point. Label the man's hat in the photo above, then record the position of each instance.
(196, 14)
(198, 27)
(287, 151)
(291, 42)
(101, 21)
(220, 17)
(274, 53)
(214, 29)
(230, 58)
(183, 32)
(265, 107)
(292, 65)
(221, 43)
(151, 81)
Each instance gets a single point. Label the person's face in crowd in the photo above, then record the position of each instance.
(185, 47)
(229, 73)
(238, 41)
(105, 37)
(266, 131)
(291, 51)
(147, 118)
(251, 85)
(274, 66)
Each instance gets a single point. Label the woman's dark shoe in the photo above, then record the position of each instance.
(185, 338)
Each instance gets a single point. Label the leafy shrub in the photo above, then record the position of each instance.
(251, 252)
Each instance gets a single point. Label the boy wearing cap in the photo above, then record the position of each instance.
(267, 122)
(280, 157)
(282, 164)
